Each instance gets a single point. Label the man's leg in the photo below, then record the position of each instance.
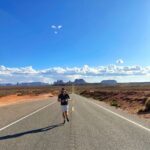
(63, 114)
(66, 114)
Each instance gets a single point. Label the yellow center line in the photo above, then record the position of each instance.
(72, 109)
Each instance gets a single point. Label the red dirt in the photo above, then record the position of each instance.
(11, 99)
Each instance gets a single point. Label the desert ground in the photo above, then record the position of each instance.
(133, 98)
(12, 95)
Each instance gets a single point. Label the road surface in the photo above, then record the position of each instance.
(90, 128)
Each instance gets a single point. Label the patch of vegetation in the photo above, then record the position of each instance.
(147, 104)
(147, 107)
(114, 103)
(22, 93)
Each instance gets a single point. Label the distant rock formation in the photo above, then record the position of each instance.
(25, 84)
(6, 84)
(59, 82)
(76, 82)
(32, 84)
(109, 82)
(69, 83)
(79, 81)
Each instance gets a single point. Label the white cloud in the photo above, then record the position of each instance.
(91, 74)
(56, 28)
(60, 26)
(53, 27)
(119, 61)
(23, 70)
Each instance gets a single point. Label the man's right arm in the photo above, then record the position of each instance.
(59, 98)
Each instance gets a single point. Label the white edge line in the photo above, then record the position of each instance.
(120, 116)
(3, 128)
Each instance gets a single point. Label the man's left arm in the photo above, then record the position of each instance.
(68, 97)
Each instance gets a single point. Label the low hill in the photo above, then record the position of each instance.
(109, 82)
(79, 81)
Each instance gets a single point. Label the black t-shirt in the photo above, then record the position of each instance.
(63, 98)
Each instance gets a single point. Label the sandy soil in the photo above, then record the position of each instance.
(12, 99)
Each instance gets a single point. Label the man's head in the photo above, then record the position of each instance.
(63, 90)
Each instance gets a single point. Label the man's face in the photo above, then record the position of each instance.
(63, 91)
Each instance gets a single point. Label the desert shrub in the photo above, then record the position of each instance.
(147, 104)
(19, 94)
(37, 92)
(83, 92)
(22, 93)
(114, 103)
(147, 107)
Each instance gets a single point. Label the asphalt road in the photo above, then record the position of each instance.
(90, 128)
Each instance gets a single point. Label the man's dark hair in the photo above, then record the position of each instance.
(63, 89)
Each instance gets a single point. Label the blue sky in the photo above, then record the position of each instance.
(94, 33)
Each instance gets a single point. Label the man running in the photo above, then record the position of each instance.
(63, 98)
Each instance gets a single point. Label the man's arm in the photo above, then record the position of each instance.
(68, 97)
(59, 98)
